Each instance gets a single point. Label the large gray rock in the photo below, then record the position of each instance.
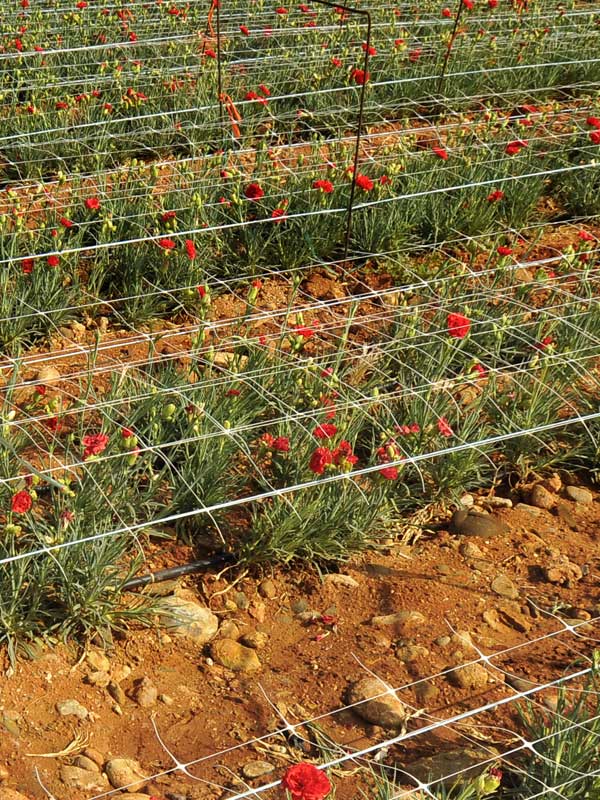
(385, 710)
(186, 618)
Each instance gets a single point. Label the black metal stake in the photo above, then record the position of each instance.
(361, 109)
(450, 46)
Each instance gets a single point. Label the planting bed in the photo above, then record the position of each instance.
(203, 353)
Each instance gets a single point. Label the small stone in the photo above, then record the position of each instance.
(229, 630)
(515, 619)
(442, 641)
(117, 693)
(83, 779)
(553, 483)
(47, 375)
(189, 619)
(72, 708)
(100, 679)
(234, 655)
(504, 587)
(298, 606)
(255, 639)
(125, 773)
(467, 501)
(473, 523)
(497, 502)
(98, 661)
(83, 762)
(256, 769)
(241, 600)
(401, 620)
(258, 611)
(562, 571)
(564, 513)
(541, 498)
(4, 773)
(121, 673)
(386, 710)
(338, 579)
(579, 495)
(531, 510)
(470, 550)
(267, 589)
(426, 692)
(145, 693)
(166, 699)
(411, 652)
(94, 755)
(520, 684)
(471, 676)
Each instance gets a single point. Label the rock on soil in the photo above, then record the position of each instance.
(338, 579)
(12, 794)
(256, 769)
(234, 655)
(541, 497)
(83, 779)
(125, 773)
(562, 571)
(386, 711)
(189, 619)
(401, 620)
(504, 587)
(473, 523)
(443, 767)
(145, 693)
(72, 708)
(579, 495)
(471, 676)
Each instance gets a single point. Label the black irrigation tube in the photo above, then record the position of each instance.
(175, 572)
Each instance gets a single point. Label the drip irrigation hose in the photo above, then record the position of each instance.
(176, 572)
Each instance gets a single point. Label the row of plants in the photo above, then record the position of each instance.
(179, 445)
(144, 239)
(132, 80)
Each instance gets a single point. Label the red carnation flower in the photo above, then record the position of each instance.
(389, 473)
(281, 444)
(365, 183)
(440, 153)
(359, 76)
(166, 244)
(503, 250)
(325, 431)
(585, 236)
(320, 459)
(53, 261)
(92, 203)
(496, 196)
(94, 444)
(593, 122)
(21, 502)
(190, 249)
(514, 148)
(458, 325)
(254, 191)
(27, 266)
(595, 137)
(444, 428)
(306, 782)
(325, 186)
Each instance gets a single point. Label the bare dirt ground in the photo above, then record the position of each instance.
(315, 636)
